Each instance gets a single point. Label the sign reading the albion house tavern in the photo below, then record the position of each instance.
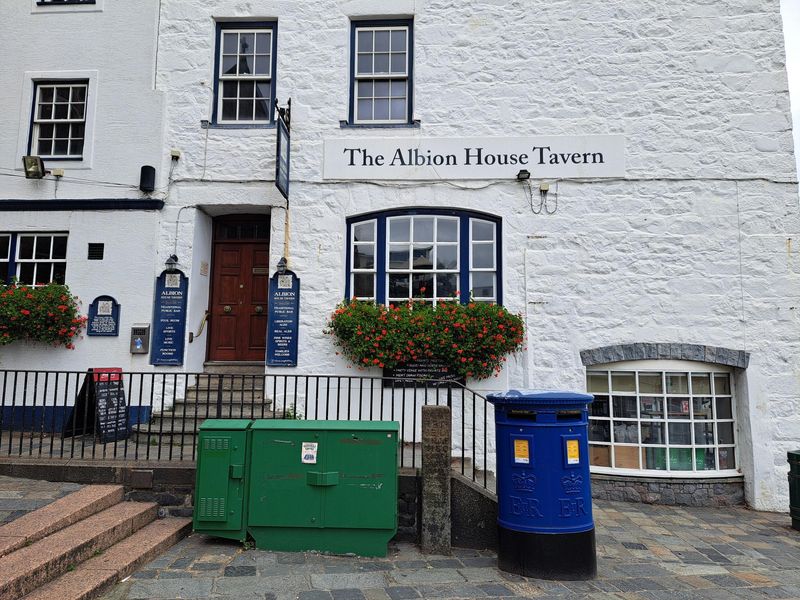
(552, 157)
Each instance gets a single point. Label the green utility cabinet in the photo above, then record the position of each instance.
(329, 486)
(223, 457)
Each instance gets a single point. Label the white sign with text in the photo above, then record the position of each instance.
(545, 157)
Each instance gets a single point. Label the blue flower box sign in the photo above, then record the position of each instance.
(103, 317)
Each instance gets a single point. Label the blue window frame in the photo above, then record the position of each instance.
(244, 74)
(381, 72)
(427, 254)
(33, 258)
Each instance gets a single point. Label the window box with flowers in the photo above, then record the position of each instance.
(48, 314)
(470, 340)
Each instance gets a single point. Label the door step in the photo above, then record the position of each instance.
(234, 367)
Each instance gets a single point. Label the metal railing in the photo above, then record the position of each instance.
(156, 416)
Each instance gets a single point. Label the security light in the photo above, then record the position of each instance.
(171, 262)
(523, 175)
(34, 167)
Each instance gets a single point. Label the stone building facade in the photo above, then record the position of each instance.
(666, 284)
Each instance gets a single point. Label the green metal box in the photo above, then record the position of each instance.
(220, 497)
(329, 486)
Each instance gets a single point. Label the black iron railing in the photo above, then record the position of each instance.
(104, 415)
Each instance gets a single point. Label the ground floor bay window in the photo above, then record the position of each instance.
(676, 418)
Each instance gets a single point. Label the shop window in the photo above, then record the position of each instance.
(58, 123)
(434, 256)
(679, 421)
(244, 83)
(33, 258)
(381, 69)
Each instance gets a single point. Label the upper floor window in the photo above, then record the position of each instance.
(674, 418)
(58, 125)
(431, 255)
(41, 2)
(33, 258)
(381, 69)
(245, 73)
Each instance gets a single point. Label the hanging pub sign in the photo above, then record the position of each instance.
(283, 152)
(103, 317)
(100, 407)
(169, 318)
(283, 317)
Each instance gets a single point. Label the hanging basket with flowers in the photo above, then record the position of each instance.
(47, 313)
(471, 340)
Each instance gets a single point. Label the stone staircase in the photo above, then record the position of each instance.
(239, 386)
(79, 545)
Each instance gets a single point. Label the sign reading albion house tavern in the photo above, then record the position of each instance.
(475, 158)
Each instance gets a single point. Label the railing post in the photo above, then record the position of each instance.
(219, 396)
(436, 450)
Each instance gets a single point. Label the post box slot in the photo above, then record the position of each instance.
(568, 415)
(528, 415)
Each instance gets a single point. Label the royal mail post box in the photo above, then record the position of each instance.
(545, 525)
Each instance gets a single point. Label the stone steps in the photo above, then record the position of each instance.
(76, 546)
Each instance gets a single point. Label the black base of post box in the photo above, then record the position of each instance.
(567, 556)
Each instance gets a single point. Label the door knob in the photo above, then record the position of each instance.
(226, 309)
(259, 309)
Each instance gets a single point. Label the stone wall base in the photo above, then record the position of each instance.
(728, 491)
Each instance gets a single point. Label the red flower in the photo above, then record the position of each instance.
(25, 312)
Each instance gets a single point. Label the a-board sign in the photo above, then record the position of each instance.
(169, 319)
(283, 319)
(100, 407)
(422, 373)
(103, 317)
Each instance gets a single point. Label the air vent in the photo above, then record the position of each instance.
(96, 251)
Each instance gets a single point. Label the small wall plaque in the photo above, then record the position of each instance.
(103, 317)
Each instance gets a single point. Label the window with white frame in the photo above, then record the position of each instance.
(676, 420)
(432, 256)
(245, 78)
(381, 72)
(33, 258)
(59, 120)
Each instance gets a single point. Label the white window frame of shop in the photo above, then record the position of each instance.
(71, 120)
(391, 77)
(664, 368)
(16, 262)
(371, 242)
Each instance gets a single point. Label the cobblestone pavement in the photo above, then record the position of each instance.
(644, 552)
(19, 496)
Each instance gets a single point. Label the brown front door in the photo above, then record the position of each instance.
(240, 279)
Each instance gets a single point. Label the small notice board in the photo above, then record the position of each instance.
(100, 407)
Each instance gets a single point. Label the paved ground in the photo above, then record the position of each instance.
(19, 496)
(644, 552)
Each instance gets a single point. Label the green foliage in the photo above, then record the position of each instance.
(47, 314)
(472, 340)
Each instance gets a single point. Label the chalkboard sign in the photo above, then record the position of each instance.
(283, 319)
(422, 373)
(100, 407)
(169, 319)
(103, 317)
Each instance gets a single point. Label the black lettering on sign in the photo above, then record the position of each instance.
(100, 407)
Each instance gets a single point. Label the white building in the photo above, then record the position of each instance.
(656, 265)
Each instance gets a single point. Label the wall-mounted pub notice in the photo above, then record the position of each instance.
(103, 317)
(283, 318)
(169, 319)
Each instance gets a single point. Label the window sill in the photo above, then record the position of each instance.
(347, 125)
(236, 126)
(65, 3)
(637, 474)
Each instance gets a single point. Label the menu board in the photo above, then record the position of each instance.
(100, 407)
(421, 373)
(169, 319)
(283, 319)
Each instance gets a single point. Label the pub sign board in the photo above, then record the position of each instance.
(103, 317)
(282, 158)
(100, 407)
(283, 319)
(169, 319)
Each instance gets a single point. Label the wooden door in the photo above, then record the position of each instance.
(240, 279)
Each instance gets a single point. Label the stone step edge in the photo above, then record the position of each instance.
(25, 569)
(57, 515)
(92, 577)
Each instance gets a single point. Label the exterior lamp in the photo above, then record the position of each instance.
(282, 265)
(34, 167)
(523, 175)
(171, 262)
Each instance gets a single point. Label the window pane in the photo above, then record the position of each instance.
(423, 229)
(364, 111)
(364, 232)
(727, 459)
(229, 110)
(482, 256)
(229, 65)
(650, 383)
(398, 40)
(600, 456)
(677, 408)
(26, 246)
(447, 230)
(399, 286)
(654, 458)
(702, 408)
(399, 230)
(43, 272)
(246, 43)
(45, 147)
(677, 383)
(59, 269)
(446, 285)
(651, 407)
(26, 272)
(262, 43)
(482, 231)
(42, 246)
(262, 65)
(597, 382)
(599, 408)
(46, 94)
(262, 110)
(653, 433)
(381, 41)
(76, 111)
(381, 110)
(364, 41)
(398, 109)
(483, 285)
(381, 63)
(725, 432)
(3, 272)
(5, 245)
(61, 111)
(382, 88)
(46, 130)
(626, 457)
(447, 257)
(626, 432)
(399, 88)
(398, 62)
(364, 64)
(365, 89)
(230, 43)
(399, 257)
(623, 381)
(364, 256)
(625, 407)
(61, 147)
(62, 130)
(422, 285)
(600, 431)
(79, 93)
(422, 257)
(45, 111)
(247, 89)
(60, 246)
(701, 383)
(704, 434)
(62, 94)
(722, 384)
(245, 65)
(246, 109)
(680, 433)
(724, 408)
(364, 285)
(263, 90)
(680, 459)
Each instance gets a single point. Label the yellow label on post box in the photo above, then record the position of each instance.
(573, 452)
(522, 454)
